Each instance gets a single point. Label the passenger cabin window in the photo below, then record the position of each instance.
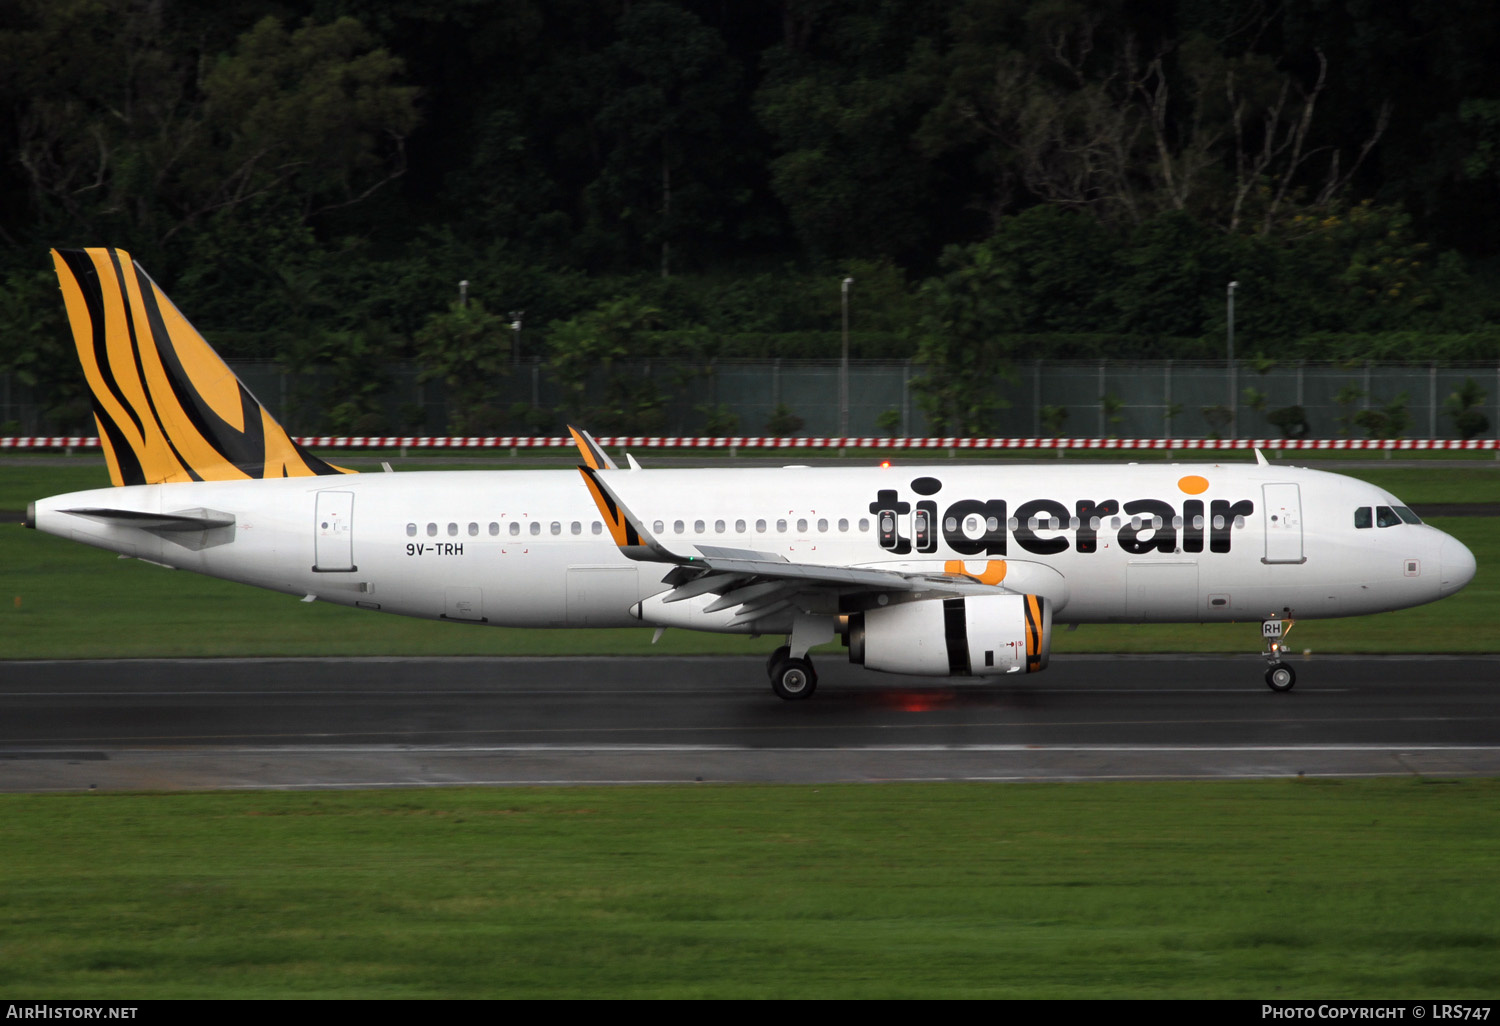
(781, 526)
(576, 527)
(760, 527)
(515, 527)
(473, 529)
(697, 527)
(801, 526)
(843, 524)
(494, 528)
(452, 530)
(556, 527)
(411, 530)
(739, 527)
(432, 530)
(536, 527)
(1363, 518)
(597, 527)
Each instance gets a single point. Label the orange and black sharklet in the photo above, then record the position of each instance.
(168, 408)
(590, 450)
(632, 539)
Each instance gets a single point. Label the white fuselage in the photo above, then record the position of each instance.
(1166, 543)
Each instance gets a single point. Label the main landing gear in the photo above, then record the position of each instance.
(791, 671)
(1279, 676)
(791, 678)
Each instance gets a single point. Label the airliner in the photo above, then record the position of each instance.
(942, 571)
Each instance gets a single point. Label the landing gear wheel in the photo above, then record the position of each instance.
(1280, 677)
(776, 657)
(794, 679)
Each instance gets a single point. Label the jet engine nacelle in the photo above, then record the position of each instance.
(977, 635)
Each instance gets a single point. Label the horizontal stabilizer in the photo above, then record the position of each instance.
(183, 520)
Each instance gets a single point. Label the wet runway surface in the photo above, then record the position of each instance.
(174, 724)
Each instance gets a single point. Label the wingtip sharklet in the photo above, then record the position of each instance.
(591, 451)
(630, 535)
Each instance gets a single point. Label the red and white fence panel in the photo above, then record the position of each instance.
(751, 442)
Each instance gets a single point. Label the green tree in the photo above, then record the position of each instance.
(1388, 420)
(968, 311)
(467, 348)
(665, 121)
(316, 112)
(1464, 407)
(842, 97)
(591, 344)
(124, 129)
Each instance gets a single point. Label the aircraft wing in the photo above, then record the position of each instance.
(760, 583)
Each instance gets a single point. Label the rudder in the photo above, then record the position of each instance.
(168, 408)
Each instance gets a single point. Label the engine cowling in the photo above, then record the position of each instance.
(972, 636)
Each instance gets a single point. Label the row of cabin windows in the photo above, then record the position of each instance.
(1384, 516)
(761, 526)
(576, 527)
(678, 527)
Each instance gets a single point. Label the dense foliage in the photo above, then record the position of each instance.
(312, 179)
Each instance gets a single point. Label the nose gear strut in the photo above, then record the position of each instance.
(1279, 676)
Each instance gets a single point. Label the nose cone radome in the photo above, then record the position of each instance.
(1456, 566)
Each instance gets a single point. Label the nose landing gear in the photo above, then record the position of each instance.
(1279, 676)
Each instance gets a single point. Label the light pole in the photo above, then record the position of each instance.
(844, 367)
(515, 326)
(463, 293)
(1233, 383)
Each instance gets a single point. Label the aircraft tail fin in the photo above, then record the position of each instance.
(168, 408)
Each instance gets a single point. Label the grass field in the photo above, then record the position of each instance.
(48, 587)
(1282, 889)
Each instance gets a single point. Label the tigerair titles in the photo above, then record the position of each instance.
(984, 527)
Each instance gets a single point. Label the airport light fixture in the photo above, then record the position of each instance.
(1234, 423)
(844, 367)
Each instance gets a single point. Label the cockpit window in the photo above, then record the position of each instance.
(1407, 515)
(1362, 517)
(1386, 517)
